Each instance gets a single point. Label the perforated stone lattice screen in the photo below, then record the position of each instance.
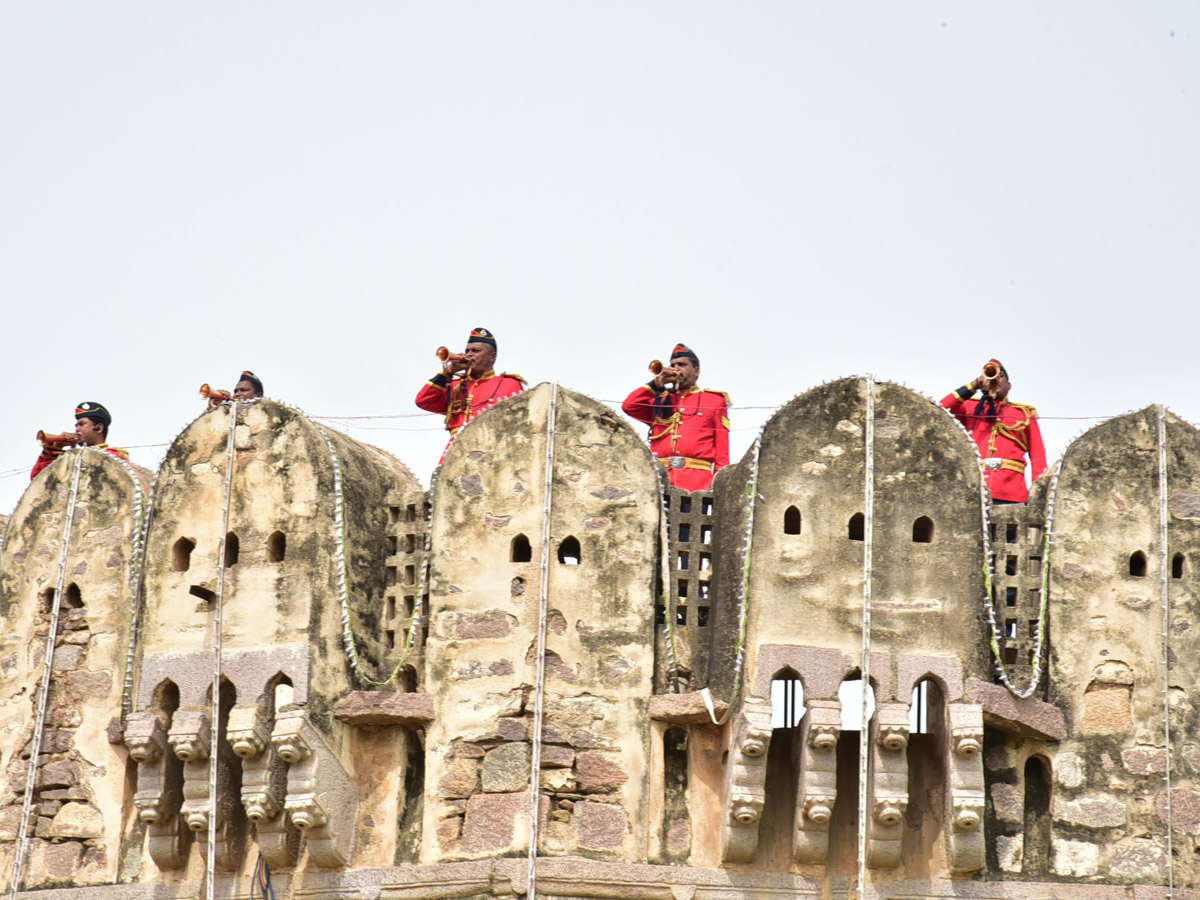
(1018, 541)
(690, 535)
(408, 524)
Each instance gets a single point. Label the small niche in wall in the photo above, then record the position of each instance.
(1010, 565)
(685, 533)
(1137, 564)
(520, 551)
(569, 553)
(277, 547)
(1177, 564)
(791, 521)
(72, 599)
(231, 549)
(181, 554)
(702, 616)
(923, 530)
(857, 527)
(1035, 858)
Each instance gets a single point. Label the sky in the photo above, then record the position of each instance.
(325, 193)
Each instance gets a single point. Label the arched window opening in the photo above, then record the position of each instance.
(166, 697)
(791, 521)
(181, 554)
(1137, 564)
(1177, 565)
(569, 553)
(923, 530)
(857, 527)
(851, 696)
(277, 546)
(520, 551)
(231, 549)
(1035, 858)
(72, 599)
(787, 700)
(926, 759)
(918, 711)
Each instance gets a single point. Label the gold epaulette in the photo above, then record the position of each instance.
(728, 401)
(1030, 411)
(514, 375)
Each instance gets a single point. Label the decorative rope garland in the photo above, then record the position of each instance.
(751, 497)
(143, 505)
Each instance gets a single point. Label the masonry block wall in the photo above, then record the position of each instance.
(387, 649)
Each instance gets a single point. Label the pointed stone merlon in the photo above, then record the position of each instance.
(264, 781)
(964, 770)
(1028, 718)
(888, 785)
(386, 708)
(816, 788)
(322, 800)
(745, 781)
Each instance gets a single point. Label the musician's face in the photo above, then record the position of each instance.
(480, 358)
(90, 433)
(688, 371)
(245, 391)
(1001, 388)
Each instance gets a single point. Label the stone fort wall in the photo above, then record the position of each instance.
(549, 673)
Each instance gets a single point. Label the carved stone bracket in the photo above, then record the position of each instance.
(888, 784)
(264, 783)
(816, 790)
(159, 794)
(191, 739)
(745, 780)
(965, 797)
(321, 799)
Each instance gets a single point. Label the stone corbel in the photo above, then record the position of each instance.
(745, 781)
(191, 739)
(321, 799)
(159, 792)
(264, 783)
(816, 789)
(888, 784)
(965, 797)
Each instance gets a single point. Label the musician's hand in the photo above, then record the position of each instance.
(454, 366)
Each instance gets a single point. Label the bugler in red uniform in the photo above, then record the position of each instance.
(88, 416)
(689, 428)
(1005, 433)
(479, 388)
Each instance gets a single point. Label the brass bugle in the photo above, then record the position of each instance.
(66, 439)
(991, 371)
(210, 393)
(656, 367)
(444, 354)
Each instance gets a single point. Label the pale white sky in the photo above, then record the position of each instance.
(324, 193)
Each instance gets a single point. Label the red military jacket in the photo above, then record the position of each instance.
(689, 432)
(1003, 441)
(465, 398)
(48, 457)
